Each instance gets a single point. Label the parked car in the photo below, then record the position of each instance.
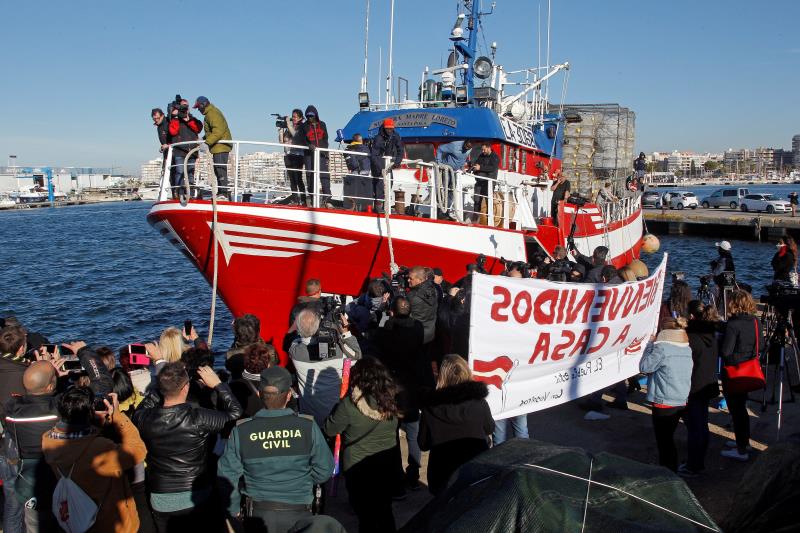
(651, 199)
(725, 198)
(765, 202)
(682, 199)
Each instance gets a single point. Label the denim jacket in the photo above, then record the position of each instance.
(668, 365)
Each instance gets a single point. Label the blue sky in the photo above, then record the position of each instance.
(79, 78)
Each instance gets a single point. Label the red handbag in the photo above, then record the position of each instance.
(747, 376)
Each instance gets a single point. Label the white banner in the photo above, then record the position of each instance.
(539, 343)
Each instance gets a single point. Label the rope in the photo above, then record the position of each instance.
(588, 488)
(386, 210)
(623, 492)
(212, 178)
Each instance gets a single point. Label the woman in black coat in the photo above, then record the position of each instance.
(784, 262)
(704, 322)
(456, 421)
(740, 344)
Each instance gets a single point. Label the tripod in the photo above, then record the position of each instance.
(780, 334)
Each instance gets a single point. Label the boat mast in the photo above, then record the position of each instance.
(366, 50)
(391, 42)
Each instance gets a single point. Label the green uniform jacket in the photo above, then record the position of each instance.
(216, 128)
(364, 432)
(280, 454)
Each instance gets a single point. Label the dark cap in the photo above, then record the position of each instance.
(278, 377)
(201, 101)
(437, 272)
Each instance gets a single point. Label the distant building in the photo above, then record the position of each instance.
(796, 151)
(151, 171)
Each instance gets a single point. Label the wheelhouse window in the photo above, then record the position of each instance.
(423, 151)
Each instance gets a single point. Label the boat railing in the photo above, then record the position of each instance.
(257, 171)
(620, 209)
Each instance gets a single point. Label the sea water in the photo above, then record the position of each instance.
(100, 273)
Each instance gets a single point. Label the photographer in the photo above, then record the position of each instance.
(183, 127)
(366, 312)
(318, 354)
(294, 158)
(94, 463)
(593, 265)
(560, 268)
(179, 437)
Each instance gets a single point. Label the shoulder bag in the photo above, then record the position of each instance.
(746, 376)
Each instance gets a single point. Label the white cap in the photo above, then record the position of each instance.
(725, 245)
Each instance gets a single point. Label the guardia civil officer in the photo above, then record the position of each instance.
(279, 454)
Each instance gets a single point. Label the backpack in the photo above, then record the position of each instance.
(74, 510)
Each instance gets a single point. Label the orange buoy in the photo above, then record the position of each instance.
(639, 268)
(650, 244)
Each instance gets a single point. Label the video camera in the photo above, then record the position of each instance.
(330, 329)
(280, 120)
(397, 284)
(183, 109)
(783, 296)
(521, 266)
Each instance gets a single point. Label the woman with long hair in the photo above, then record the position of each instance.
(367, 420)
(456, 421)
(171, 345)
(667, 361)
(784, 262)
(740, 344)
(677, 305)
(702, 332)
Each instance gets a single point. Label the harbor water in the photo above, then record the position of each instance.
(100, 273)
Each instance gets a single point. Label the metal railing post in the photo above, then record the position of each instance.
(506, 207)
(165, 183)
(433, 184)
(235, 171)
(490, 202)
(315, 158)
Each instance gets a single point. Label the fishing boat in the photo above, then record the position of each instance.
(262, 253)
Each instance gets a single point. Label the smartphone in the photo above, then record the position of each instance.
(72, 365)
(99, 405)
(138, 355)
(51, 348)
(187, 327)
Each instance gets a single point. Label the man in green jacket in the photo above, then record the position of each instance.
(216, 128)
(280, 454)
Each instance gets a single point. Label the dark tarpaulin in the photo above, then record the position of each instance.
(528, 485)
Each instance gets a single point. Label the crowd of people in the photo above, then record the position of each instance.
(157, 440)
(167, 442)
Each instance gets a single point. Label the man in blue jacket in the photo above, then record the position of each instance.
(280, 455)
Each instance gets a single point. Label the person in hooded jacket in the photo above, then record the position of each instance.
(456, 421)
(784, 262)
(387, 143)
(367, 420)
(183, 127)
(702, 332)
(315, 135)
(667, 361)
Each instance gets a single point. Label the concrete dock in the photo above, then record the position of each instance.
(70, 202)
(721, 222)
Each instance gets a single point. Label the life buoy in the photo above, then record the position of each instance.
(421, 175)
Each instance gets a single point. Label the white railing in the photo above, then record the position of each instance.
(446, 193)
(620, 209)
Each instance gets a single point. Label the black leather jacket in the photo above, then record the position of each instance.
(180, 439)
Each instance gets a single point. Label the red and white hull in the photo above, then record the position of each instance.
(267, 252)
